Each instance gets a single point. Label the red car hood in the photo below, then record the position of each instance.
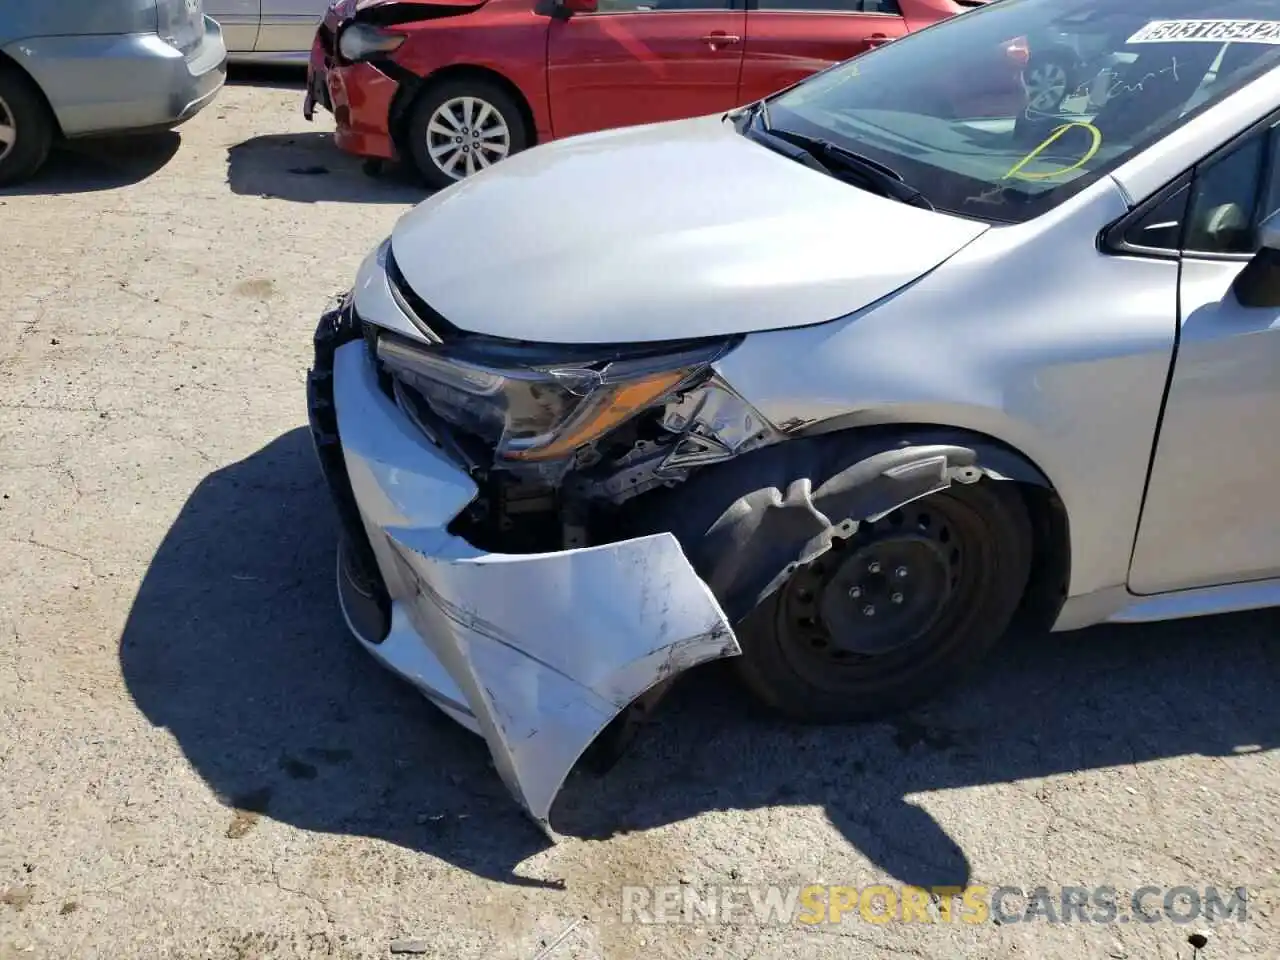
(346, 9)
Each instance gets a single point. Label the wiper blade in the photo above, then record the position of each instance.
(879, 176)
(785, 147)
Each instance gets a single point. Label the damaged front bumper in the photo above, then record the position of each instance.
(358, 95)
(537, 653)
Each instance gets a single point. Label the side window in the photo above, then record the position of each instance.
(1160, 228)
(1232, 195)
(831, 6)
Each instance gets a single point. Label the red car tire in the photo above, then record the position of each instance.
(459, 127)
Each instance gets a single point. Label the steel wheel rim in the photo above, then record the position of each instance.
(465, 135)
(811, 648)
(8, 130)
(1046, 86)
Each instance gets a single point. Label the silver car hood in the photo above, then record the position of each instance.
(660, 232)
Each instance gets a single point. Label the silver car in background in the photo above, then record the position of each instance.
(78, 68)
(268, 31)
(841, 385)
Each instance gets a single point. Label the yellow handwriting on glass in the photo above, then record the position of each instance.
(1017, 169)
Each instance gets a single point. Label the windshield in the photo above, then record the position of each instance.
(1005, 111)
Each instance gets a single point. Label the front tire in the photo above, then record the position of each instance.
(26, 128)
(460, 127)
(903, 608)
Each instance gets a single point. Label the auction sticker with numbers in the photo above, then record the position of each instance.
(1209, 31)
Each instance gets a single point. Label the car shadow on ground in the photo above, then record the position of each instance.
(274, 76)
(308, 168)
(107, 163)
(235, 645)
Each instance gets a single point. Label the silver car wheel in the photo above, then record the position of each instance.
(8, 130)
(467, 134)
(1046, 85)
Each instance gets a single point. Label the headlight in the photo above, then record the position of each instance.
(360, 41)
(542, 411)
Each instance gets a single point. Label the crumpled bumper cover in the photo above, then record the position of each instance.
(538, 653)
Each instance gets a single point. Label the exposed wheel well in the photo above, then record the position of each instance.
(1051, 559)
(402, 105)
(9, 62)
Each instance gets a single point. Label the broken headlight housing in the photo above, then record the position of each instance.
(533, 404)
(363, 41)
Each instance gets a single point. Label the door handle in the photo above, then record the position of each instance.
(721, 39)
(878, 39)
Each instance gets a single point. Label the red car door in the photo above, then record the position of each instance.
(787, 40)
(642, 61)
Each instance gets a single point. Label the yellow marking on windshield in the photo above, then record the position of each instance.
(1017, 169)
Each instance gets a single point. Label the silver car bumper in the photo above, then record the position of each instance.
(536, 653)
(115, 84)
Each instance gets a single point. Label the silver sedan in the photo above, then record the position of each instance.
(841, 386)
(268, 31)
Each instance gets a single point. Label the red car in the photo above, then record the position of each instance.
(455, 85)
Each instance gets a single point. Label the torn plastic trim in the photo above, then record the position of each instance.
(546, 650)
(708, 424)
(873, 489)
(715, 424)
(747, 525)
(549, 650)
(999, 460)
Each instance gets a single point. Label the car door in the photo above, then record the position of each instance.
(642, 61)
(239, 20)
(787, 40)
(1211, 514)
(289, 26)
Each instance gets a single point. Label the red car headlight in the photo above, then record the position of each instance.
(360, 41)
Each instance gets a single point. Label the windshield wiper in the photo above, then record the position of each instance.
(754, 122)
(880, 177)
(788, 149)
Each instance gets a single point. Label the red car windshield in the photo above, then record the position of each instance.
(1096, 81)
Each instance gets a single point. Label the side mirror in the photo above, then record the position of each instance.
(568, 8)
(1269, 233)
(1258, 284)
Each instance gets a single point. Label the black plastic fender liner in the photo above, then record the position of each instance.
(747, 523)
(998, 460)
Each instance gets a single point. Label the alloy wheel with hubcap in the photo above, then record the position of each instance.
(465, 135)
(461, 127)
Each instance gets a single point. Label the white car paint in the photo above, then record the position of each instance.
(774, 245)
